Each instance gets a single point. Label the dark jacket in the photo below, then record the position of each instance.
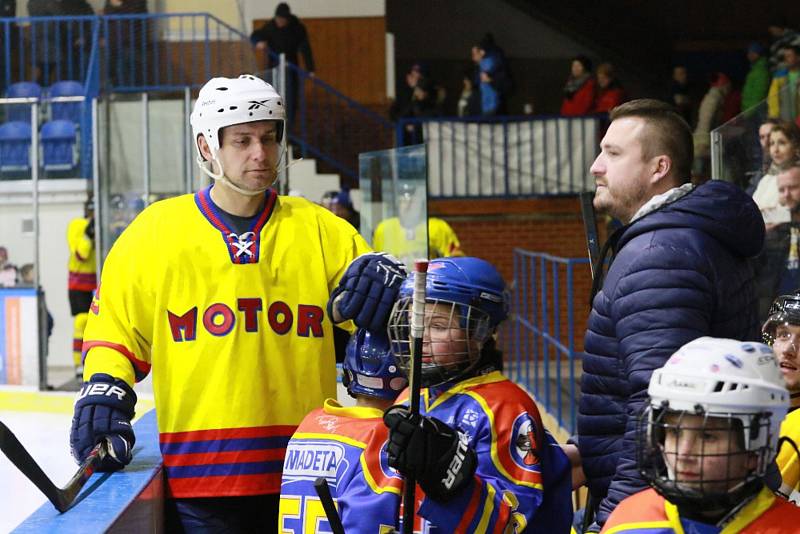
(290, 40)
(683, 271)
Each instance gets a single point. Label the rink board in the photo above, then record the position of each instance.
(131, 500)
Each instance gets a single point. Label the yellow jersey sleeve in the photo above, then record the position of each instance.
(118, 334)
(443, 239)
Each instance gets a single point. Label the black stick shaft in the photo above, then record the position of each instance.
(590, 227)
(62, 498)
(417, 336)
(324, 492)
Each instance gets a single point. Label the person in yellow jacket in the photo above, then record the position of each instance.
(405, 237)
(82, 279)
(782, 331)
(781, 102)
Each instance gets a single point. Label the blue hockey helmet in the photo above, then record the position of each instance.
(466, 299)
(369, 367)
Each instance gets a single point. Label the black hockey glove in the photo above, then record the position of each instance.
(438, 456)
(103, 410)
(367, 290)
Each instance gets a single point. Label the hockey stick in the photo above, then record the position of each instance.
(324, 492)
(62, 498)
(590, 226)
(417, 334)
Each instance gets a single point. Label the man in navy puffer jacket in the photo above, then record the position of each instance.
(681, 267)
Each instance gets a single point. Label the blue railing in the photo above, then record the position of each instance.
(543, 357)
(470, 157)
(332, 127)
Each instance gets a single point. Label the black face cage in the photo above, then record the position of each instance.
(453, 336)
(705, 492)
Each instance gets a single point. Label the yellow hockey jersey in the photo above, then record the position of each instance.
(787, 460)
(82, 263)
(233, 327)
(409, 244)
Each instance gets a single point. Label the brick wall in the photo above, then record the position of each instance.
(492, 229)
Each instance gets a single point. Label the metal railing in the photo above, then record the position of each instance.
(543, 332)
(332, 127)
(471, 157)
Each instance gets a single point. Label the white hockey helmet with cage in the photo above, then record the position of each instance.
(714, 378)
(227, 101)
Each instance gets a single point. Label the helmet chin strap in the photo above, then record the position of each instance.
(207, 168)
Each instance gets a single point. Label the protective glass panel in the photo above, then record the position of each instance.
(736, 154)
(394, 210)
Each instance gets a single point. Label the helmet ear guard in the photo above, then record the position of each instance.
(369, 369)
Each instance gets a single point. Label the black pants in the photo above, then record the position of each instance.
(218, 515)
(79, 301)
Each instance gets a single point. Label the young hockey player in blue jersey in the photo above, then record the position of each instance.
(478, 449)
(344, 445)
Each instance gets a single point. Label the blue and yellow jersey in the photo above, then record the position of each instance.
(390, 236)
(647, 512)
(233, 328)
(511, 492)
(82, 263)
(787, 460)
(344, 445)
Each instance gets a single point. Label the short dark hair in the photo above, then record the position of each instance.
(666, 132)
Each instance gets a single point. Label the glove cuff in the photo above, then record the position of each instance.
(105, 390)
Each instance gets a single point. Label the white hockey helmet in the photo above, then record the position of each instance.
(227, 101)
(714, 378)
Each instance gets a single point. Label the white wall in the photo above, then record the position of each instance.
(60, 201)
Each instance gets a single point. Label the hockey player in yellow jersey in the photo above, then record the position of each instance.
(782, 331)
(222, 295)
(82, 279)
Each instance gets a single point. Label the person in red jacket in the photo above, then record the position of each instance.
(610, 93)
(579, 89)
(706, 441)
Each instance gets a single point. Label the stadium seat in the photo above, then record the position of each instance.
(15, 146)
(58, 145)
(69, 111)
(22, 112)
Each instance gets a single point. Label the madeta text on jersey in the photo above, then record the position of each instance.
(219, 319)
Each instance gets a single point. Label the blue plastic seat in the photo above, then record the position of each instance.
(58, 145)
(69, 111)
(15, 146)
(22, 112)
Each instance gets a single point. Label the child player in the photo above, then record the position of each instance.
(343, 444)
(478, 450)
(705, 442)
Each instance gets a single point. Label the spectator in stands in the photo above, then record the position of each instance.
(493, 77)
(784, 149)
(782, 37)
(417, 98)
(60, 49)
(709, 116)
(763, 159)
(779, 272)
(579, 91)
(285, 34)
(342, 206)
(682, 92)
(8, 271)
(682, 268)
(756, 83)
(125, 42)
(469, 102)
(782, 103)
(610, 93)
(26, 274)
